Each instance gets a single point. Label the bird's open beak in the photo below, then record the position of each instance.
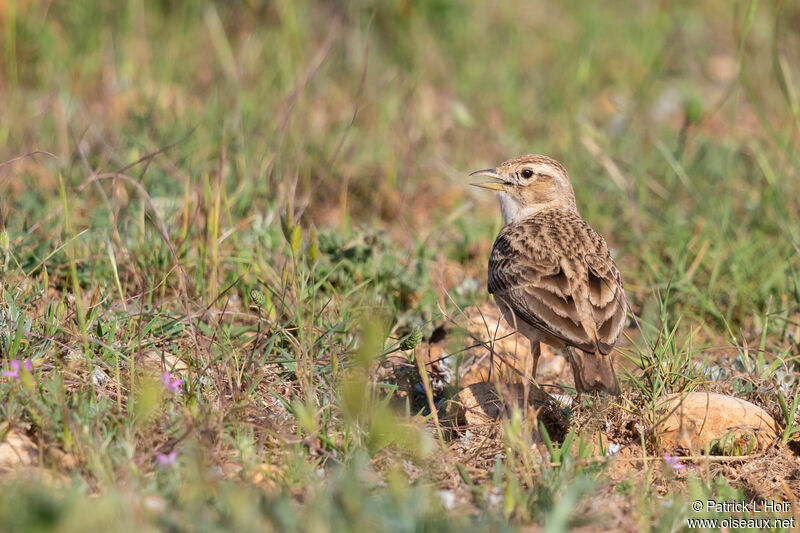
(498, 183)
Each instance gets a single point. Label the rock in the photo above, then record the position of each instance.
(231, 469)
(151, 362)
(483, 327)
(64, 461)
(550, 367)
(19, 460)
(695, 419)
(476, 405)
(17, 450)
(155, 504)
(448, 499)
(479, 406)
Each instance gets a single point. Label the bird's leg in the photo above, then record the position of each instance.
(536, 352)
(530, 373)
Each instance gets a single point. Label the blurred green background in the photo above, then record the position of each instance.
(676, 120)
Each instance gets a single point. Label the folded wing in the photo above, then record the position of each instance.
(556, 274)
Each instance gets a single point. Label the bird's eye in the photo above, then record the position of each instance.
(527, 173)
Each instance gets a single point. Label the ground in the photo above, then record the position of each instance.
(241, 266)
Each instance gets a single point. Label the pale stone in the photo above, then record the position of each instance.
(479, 405)
(485, 327)
(448, 499)
(695, 419)
(151, 361)
(16, 450)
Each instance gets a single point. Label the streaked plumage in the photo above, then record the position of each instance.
(551, 274)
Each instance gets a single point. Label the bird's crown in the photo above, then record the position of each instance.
(526, 167)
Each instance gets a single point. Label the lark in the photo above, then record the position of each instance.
(551, 274)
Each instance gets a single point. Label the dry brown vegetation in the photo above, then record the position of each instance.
(268, 201)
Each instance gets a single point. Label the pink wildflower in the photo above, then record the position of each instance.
(172, 385)
(168, 459)
(15, 368)
(672, 462)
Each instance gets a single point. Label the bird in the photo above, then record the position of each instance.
(551, 274)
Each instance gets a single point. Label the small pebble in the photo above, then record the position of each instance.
(99, 377)
(448, 499)
(613, 449)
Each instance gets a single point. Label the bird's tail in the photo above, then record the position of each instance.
(593, 371)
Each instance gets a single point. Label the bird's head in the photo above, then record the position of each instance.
(527, 185)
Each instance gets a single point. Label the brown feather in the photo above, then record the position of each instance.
(555, 273)
(551, 275)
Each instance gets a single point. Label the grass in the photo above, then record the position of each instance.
(268, 200)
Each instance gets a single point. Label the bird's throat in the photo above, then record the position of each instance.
(512, 210)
